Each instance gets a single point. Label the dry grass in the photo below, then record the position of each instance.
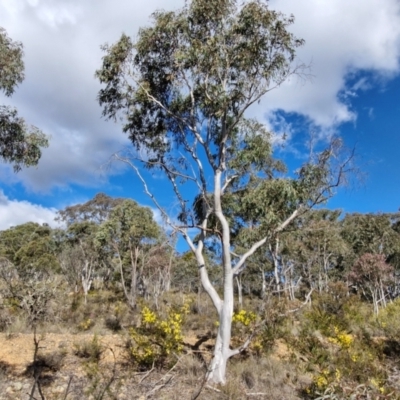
(285, 369)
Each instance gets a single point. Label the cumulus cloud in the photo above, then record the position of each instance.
(62, 51)
(342, 39)
(13, 212)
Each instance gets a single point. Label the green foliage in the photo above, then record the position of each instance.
(221, 48)
(183, 89)
(130, 235)
(31, 248)
(341, 360)
(388, 321)
(269, 202)
(19, 144)
(372, 233)
(129, 225)
(11, 63)
(189, 91)
(185, 274)
(96, 210)
(316, 249)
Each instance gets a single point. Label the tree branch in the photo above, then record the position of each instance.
(261, 242)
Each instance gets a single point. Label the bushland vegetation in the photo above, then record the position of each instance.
(295, 301)
(320, 312)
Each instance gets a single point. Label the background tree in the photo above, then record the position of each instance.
(129, 232)
(80, 260)
(314, 249)
(28, 270)
(371, 233)
(372, 275)
(96, 210)
(184, 88)
(31, 248)
(374, 234)
(20, 144)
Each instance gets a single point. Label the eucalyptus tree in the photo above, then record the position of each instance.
(20, 144)
(372, 275)
(129, 232)
(372, 233)
(31, 248)
(315, 249)
(183, 90)
(29, 267)
(80, 259)
(96, 210)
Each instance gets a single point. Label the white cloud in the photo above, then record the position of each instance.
(14, 212)
(342, 38)
(58, 15)
(59, 92)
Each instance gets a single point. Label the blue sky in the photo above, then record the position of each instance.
(353, 49)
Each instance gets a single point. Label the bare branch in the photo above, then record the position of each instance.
(227, 182)
(261, 242)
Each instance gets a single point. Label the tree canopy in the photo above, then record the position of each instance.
(20, 144)
(183, 90)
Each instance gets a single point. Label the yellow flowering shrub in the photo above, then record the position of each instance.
(377, 384)
(86, 324)
(244, 317)
(256, 346)
(341, 338)
(321, 380)
(326, 378)
(243, 323)
(156, 339)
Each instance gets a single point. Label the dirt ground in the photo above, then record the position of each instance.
(16, 354)
(16, 377)
(17, 350)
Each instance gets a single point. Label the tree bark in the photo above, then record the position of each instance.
(240, 290)
(134, 253)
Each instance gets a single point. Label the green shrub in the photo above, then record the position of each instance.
(90, 350)
(388, 320)
(113, 323)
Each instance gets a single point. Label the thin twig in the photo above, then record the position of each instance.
(36, 369)
(113, 376)
(147, 374)
(213, 388)
(68, 386)
(203, 383)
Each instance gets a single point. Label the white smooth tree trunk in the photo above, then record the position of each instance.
(87, 279)
(222, 352)
(240, 290)
(263, 285)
